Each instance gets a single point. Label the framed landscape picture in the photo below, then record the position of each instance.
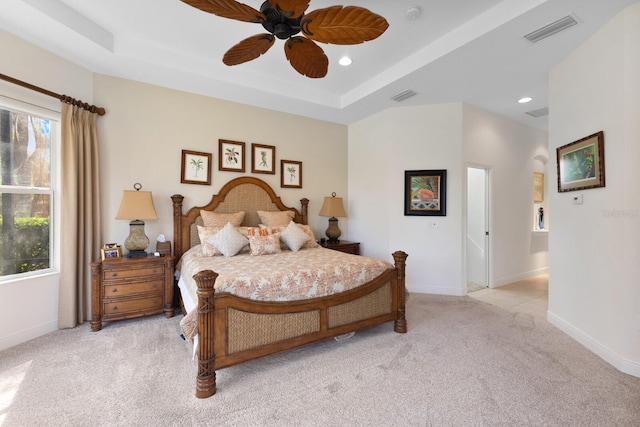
(581, 164)
(425, 192)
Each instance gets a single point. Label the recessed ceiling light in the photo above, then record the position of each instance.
(344, 61)
(524, 100)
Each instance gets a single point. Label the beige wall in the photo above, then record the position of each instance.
(29, 306)
(147, 127)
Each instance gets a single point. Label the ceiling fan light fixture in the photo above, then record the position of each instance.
(345, 61)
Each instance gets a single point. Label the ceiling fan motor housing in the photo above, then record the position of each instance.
(278, 24)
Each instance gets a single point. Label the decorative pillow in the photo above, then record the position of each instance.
(228, 240)
(276, 218)
(205, 234)
(294, 237)
(311, 243)
(216, 219)
(265, 245)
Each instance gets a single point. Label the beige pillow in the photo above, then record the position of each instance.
(205, 234)
(265, 245)
(293, 236)
(216, 219)
(276, 218)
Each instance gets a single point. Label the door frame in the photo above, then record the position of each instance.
(488, 270)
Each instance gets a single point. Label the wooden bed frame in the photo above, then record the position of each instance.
(232, 330)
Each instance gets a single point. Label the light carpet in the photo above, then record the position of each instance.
(462, 363)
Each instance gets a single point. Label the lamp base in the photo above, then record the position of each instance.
(137, 242)
(137, 254)
(333, 232)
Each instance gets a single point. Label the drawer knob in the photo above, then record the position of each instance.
(114, 290)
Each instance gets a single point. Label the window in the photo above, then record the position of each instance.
(26, 195)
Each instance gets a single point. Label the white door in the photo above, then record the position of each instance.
(477, 228)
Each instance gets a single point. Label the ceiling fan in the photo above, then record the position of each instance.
(284, 19)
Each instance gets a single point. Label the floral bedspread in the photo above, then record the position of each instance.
(287, 276)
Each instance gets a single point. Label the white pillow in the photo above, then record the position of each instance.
(228, 240)
(293, 236)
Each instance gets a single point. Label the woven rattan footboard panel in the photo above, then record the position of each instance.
(374, 304)
(251, 330)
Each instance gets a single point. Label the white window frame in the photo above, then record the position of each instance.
(27, 107)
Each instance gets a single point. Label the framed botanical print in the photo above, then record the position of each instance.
(290, 174)
(263, 158)
(196, 168)
(425, 192)
(231, 155)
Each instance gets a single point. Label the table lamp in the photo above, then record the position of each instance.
(136, 206)
(333, 207)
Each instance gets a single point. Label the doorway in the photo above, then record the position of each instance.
(477, 241)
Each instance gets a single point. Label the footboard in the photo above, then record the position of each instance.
(233, 330)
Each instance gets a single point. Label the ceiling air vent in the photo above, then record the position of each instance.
(551, 29)
(403, 95)
(539, 112)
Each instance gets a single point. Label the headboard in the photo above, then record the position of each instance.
(246, 194)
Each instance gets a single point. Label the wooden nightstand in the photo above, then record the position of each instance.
(343, 246)
(124, 288)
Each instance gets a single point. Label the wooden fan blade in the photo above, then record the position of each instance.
(306, 57)
(228, 9)
(290, 8)
(248, 49)
(343, 25)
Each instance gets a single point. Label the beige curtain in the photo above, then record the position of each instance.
(81, 236)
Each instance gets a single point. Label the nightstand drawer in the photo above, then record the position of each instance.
(133, 305)
(139, 272)
(120, 289)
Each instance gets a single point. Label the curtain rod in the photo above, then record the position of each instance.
(64, 98)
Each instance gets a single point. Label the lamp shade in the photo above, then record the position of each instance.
(333, 207)
(136, 205)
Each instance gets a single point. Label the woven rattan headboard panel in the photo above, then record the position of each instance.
(246, 194)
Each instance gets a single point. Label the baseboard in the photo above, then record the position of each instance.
(437, 290)
(518, 277)
(28, 334)
(621, 364)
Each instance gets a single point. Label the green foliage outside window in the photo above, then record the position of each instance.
(30, 249)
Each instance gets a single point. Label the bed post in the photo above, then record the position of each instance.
(400, 324)
(206, 380)
(177, 225)
(304, 207)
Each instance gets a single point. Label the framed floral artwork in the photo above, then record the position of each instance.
(425, 192)
(230, 155)
(263, 158)
(581, 164)
(290, 174)
(196, 168)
